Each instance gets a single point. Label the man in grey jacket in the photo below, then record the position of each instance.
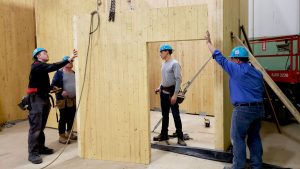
(169, 88)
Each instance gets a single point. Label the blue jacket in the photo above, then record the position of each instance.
(245, 84)
(58, 82)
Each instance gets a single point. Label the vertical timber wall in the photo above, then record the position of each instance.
(17, 30)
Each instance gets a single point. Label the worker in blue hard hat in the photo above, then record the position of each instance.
(64, 78)
(169, 88)
(38, 91)
(246, 93)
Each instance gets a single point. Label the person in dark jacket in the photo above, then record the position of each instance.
(65, 101)
(38, 91)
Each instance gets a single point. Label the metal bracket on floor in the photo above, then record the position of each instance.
(207, 154)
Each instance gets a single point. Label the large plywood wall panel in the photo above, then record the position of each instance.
(54, 32)
(119, 91)
(114, 118)
(17, 30)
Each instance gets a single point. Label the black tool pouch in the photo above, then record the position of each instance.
(25, 103)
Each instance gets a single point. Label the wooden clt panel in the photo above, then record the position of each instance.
(114, 110)
(54, 32)
(114, 115)
(17, 31)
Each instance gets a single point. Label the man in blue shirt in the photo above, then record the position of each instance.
(246, 94)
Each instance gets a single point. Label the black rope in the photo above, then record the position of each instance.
(91, 26)
(112, 11)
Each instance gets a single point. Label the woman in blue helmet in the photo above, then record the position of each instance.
(65, 101)
(246, 94)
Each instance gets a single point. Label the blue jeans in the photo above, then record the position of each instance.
(246, 122)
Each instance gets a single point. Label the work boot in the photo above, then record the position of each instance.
(160, 137)
(63, 139)
(35, 158)
(181, 142)
(73, 137)
(46, 151)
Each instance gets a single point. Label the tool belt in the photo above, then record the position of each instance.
(180, 97)
(25, 103)
(67, 102)
(168, 90)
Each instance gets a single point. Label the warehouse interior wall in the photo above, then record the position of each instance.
(111, 111)
(17, 30)
(273, 18)
(281, 19)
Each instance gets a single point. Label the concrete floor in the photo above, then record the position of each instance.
(283, 150)
(193, 125)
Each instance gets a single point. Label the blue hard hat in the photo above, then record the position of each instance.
(37, 50)
(165, 47)
(239, 52)
(66, 58)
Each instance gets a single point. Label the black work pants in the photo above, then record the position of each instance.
(66, 119)
(38, 115)
(165, 101)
